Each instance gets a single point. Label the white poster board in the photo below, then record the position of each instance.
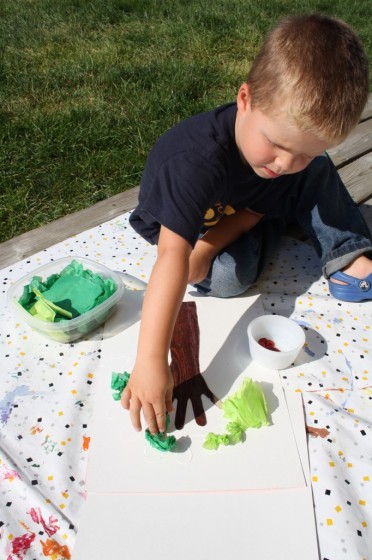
(248, 500)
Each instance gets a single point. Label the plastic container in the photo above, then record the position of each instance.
(73, 329)
(287, 336)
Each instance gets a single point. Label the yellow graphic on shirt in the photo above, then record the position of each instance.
(213, 215)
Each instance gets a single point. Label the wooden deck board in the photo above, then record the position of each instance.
(358, 178)
(353, 158)
(357, 143)
(367, 113)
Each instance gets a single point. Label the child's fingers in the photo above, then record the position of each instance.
(125, 398)
(160, 420)
(169, 401)
(134, 412)
(155, 419)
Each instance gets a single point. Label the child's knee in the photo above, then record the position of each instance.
(228, 279)
(226, 284)
(228, 291)
(222, 287)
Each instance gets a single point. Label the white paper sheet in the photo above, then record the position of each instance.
(277, 525)
(130, 464)
(297, 415)
(250, 500)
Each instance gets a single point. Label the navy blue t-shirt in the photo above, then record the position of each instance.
(194, 175)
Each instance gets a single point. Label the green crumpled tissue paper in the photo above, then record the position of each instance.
(245, 409)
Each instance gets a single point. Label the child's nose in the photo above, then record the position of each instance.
(285, 161)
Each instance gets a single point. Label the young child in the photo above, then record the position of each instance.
(219, 188)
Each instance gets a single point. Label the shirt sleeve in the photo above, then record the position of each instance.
(176, 195)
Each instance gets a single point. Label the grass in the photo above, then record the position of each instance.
(88, 86)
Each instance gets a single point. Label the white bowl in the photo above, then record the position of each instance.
(287, 336)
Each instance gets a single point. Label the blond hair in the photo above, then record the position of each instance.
(315, 69)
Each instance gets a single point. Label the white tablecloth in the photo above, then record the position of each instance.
(46, 398)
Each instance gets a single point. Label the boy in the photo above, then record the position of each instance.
(219, 188)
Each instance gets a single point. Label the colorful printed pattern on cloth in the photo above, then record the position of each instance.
(334, 373)
(46, 402)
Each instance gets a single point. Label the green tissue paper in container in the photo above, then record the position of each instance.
(67, 298)
(75, 290)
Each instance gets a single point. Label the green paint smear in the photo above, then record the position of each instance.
(245, 409)
(159, 441)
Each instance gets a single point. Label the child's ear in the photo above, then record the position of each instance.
(244, 97)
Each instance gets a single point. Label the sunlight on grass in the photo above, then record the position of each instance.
(87, 87)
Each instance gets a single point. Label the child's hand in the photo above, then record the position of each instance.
(151, 384)
(149, 388)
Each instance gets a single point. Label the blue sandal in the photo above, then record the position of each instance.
(355, 290)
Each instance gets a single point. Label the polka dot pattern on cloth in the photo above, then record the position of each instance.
(334, 375)
(47, 389)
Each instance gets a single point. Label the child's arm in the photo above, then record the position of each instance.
(228, 229)
(150, 385)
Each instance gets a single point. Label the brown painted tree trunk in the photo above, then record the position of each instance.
(189, 384)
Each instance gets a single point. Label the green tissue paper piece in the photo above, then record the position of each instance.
(213, 441)
(118, 383)
(69, 294)
(245, 409)
(235, 431)
(43, 311)
(74, 293)
(47, 308)
(159, 441)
